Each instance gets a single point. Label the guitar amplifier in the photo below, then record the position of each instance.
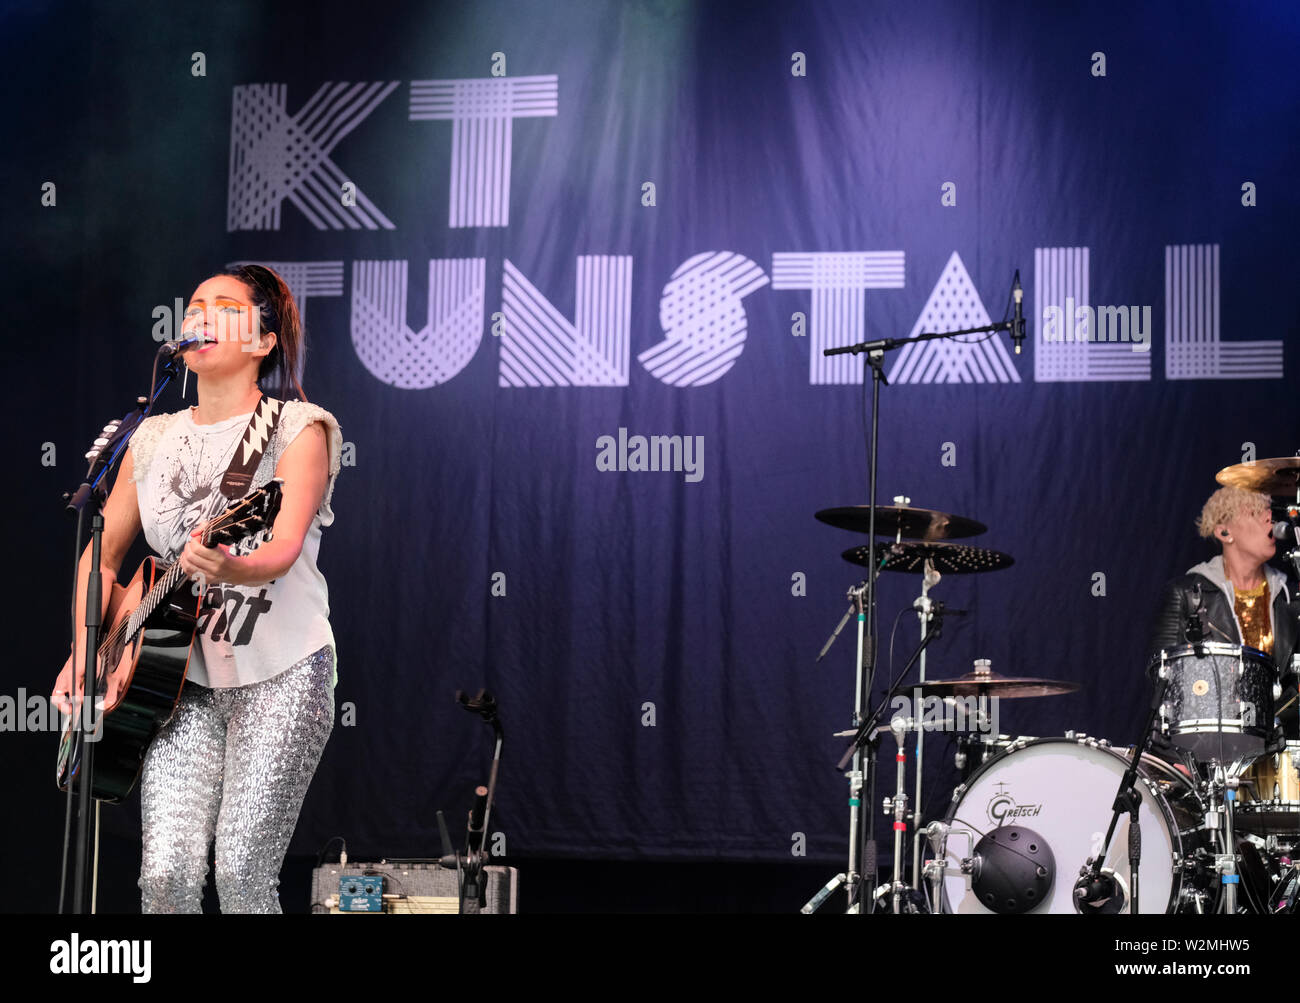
(413, 887)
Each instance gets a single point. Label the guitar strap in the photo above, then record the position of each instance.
(238, 477)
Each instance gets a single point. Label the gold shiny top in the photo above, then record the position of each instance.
(1252, 614)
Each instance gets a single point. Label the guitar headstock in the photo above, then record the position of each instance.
(249, 515)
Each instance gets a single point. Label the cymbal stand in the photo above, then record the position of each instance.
(867, 735)
(861, 886)
(898, 805)
(851, 879)
(924, 607)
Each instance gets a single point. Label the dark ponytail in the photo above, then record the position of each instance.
(277, 312)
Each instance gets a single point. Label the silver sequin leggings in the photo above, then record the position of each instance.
(235, 763)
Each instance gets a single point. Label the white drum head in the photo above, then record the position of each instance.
(1063, 791)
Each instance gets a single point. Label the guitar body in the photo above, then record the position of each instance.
(149, 669)
(145, 649)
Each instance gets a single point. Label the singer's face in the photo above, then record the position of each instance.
(222, 311)
(1252, 533)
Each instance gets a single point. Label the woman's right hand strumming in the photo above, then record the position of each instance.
(68, 687)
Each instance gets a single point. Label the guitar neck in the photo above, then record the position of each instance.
(162, 588)
(248, 515)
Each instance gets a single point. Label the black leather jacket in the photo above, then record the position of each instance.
(1179, 599)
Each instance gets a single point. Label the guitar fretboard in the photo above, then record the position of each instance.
(161, 590)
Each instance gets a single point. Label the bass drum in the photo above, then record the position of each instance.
(1062, 790)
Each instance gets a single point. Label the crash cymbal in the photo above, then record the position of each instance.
(992, 684)
(892, 520)
(1276, 477)
(948, 558)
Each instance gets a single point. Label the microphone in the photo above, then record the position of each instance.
(1285, 530)
(1018, 324)
(1103, 895)
(178, 347)
(1195, 616)
(484, 704)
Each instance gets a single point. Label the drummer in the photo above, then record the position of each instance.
(1245, 601)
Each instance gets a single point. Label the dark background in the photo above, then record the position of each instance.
(628, 588)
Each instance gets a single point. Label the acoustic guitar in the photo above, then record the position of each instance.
(148, 635)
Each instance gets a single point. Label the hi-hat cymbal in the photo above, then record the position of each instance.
(992, 684)
(948, 558)
(893, 520)
(1276, 477)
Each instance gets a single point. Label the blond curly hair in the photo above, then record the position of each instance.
(1227, 504)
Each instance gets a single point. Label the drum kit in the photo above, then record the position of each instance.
(1025, 831)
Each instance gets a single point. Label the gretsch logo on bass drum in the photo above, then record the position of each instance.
(1002, 807)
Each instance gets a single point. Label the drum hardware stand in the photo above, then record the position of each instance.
(815, 903)
(1225, 862)
(854, 882)
(869, 864)
(935, 869)
(924, 607)
(868, 735)
(898, 806)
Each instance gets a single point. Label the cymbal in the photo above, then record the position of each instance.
(948, 558)
(992, 684)
(891, 520)
(1277, 476)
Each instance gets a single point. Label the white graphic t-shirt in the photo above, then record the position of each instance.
(246, 633)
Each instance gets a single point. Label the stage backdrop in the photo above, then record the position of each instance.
(568, 270)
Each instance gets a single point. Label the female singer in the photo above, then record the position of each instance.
(235, 760)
